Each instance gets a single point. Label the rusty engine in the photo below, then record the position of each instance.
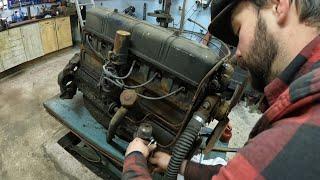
(134, 74)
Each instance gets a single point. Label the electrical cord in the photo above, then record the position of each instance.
(109, 73)
(161, 97)
(186, 14)
(140, 85)
(194, 24)
(122, 85)
(113, 82)
(201, 38)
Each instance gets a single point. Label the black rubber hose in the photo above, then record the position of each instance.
(184, 145)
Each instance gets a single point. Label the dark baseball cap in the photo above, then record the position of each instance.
(220, 26)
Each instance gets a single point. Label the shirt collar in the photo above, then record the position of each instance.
(295, 69)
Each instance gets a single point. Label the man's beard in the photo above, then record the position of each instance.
(263, 52)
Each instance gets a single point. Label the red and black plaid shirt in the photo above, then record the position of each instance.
(284, 143)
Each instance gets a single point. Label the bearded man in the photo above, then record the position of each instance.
(278, 42)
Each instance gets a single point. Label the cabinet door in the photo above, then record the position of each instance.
(63, 29)
(48, 36)
(12, 52)
(16, 48)
(32, 41)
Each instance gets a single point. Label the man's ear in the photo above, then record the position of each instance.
(281, 10)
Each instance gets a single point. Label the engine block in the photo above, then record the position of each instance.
(131, 73)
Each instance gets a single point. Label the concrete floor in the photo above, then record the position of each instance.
(242, 120)
(28, 134)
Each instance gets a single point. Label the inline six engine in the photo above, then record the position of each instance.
(134, 74)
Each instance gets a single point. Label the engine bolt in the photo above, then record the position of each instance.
(206, 105)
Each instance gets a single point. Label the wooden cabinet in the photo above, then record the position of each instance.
(32, 41)
(12, 52)
(48, 36)
(63, 29)
(28, 42)
(55, 34)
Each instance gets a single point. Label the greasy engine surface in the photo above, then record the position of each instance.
(165, 71)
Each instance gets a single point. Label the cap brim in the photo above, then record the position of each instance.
(221, 27)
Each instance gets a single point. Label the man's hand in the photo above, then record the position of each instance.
(160, 160)
(141, 146)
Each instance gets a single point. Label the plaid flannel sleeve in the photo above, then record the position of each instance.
(193, 171)
(135, 167)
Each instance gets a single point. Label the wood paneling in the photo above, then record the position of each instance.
(48, 36)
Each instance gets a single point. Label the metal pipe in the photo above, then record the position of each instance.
(115, 122)
(127, 99)
(121, 47)
(225, 149)
(182, 16)
(193, 21)
(144, 11)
